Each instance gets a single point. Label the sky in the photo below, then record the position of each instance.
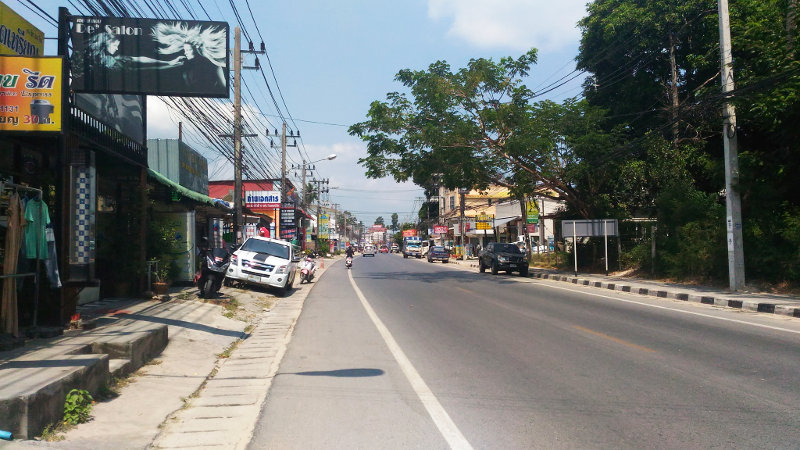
(332, 59)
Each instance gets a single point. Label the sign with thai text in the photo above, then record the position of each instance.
(440, 229)
(262, 199)
(17, 35)
(30, 93)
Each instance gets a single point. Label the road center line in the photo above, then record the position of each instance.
(443, 422)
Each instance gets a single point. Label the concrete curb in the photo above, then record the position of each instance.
(791, 309)
(748, 305)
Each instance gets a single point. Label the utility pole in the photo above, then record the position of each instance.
(237, 128)
(463, 193)
(237, 135)
(284, 144)
(733, 202)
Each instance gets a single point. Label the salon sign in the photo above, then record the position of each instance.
(30, 93)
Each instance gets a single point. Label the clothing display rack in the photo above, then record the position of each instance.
(19, 187)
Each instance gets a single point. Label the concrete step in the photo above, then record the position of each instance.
(32, 391)
(137, 343)
(120, 367)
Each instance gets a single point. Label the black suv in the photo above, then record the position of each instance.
(501, 256)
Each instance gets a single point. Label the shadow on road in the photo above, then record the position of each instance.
(340, 373)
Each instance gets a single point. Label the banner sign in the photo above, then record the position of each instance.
(262, 199)
(17, 35)
(408, 233)
(440, 229)
(533, 211)
(323, 227)
(30, 93)
(122, 55)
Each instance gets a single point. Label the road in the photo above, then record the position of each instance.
(400, 353)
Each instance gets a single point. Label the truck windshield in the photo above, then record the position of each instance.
(266, 247)
(507, 248)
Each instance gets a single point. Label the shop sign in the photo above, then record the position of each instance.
(408, 233)
(440, 229)
(17, 35)
(262, 199)
(533, 211)
(30, 93)
(484, 222)
(288, 216)
(324, 233)
(124, 55)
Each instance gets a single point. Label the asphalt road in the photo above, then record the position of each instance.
(417, 355)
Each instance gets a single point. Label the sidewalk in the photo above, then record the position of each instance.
(763, 302)
(211, 362)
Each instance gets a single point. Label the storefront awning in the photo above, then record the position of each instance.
(185, 192)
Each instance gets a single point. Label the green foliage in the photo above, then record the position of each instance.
(164, 247)
(77, 407)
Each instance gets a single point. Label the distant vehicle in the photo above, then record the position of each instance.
(498, 256)
(423, 247)
(384, 249)
(395, 248)
(412, 246)
(438, 253)
(369, 249)
(265, 262)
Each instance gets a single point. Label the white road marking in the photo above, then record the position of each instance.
(443, 422)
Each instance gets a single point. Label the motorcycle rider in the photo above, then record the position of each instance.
(349, 251)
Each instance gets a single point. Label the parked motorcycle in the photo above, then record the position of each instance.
(307, 270)
(348, 262)
(212, 274)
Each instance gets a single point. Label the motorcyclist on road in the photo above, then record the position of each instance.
(349, 251)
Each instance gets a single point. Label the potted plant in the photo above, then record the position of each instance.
(161, 285)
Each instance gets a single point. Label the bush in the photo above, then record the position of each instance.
(77, 407)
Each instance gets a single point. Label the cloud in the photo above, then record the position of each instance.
(549, 25)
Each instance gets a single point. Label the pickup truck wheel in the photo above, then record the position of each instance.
(481, 267)
(494, 268)
(523, 272)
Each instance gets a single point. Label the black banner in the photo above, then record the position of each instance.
(149, 57)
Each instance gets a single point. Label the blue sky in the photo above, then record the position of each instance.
(331, 59)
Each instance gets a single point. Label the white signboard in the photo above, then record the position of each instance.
(262, 199)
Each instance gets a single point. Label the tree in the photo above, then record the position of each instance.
(395, 225)
(476, 122)
(379, 221)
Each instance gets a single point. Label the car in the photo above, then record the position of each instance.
(438, 253)
(497, 256)
(384, 249)
(395, 248)
(264, 262)
(369, 249)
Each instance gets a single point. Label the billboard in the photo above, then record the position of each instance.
(120, 55)
(30, 93)
(440, 229)
(409, 233)
(121, 112)
(17, 35)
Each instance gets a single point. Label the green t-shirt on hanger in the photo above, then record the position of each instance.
(38, 217)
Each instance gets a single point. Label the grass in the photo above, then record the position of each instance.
(228, 351)
(55, 432)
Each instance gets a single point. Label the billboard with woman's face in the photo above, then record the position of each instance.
(118, 55)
